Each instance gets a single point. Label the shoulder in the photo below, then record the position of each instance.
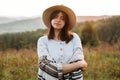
(75, 35)
(43, 38)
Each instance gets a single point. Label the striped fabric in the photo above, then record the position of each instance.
(76, 75)
(40, 77)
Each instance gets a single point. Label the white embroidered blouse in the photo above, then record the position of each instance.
(60, 52)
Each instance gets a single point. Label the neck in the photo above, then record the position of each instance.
(57, 37)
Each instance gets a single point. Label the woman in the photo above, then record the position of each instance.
(60, 51)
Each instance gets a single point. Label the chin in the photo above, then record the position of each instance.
(58, 28)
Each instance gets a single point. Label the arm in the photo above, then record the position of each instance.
(49, 67)
(42, 51)
(77, 55)
(46, 63)
(74, 66)
(42, 48)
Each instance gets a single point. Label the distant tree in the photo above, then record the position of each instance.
(21, 40)
(109, 30)
(88, 34)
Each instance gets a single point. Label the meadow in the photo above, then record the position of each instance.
(101, 46)
(103, 64)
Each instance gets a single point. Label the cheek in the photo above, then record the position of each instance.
(51, 22)
(63, 23)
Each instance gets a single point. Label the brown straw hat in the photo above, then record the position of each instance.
(47, 13)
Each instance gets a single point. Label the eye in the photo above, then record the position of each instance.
(56, 16)
(62, 18)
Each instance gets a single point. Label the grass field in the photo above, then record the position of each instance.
(103, 64)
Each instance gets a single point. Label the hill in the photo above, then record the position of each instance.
(6, 20)
(29, 24)
(91, 18)
(11, 25)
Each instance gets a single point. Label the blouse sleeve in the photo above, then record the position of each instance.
(77, 49)
(42, 47)
(42, 50)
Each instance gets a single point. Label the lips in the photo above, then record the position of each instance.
(57, 23)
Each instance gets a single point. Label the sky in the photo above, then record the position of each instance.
(31, 8)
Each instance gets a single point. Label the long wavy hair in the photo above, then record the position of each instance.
(65, 34)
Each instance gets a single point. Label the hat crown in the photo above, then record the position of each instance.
(47, 14)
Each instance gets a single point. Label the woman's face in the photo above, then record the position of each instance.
(58, 21)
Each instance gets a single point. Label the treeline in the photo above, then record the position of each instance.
(18, 41)
(92, 33)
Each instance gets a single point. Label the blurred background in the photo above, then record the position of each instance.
(98, 26)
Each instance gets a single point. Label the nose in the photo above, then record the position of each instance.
(58, 19)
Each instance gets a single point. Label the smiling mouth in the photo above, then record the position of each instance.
(57, 24)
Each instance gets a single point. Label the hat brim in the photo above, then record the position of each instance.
(71, 15)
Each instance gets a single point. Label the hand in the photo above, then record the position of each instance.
(82, 64)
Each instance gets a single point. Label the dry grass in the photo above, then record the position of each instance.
(18, 65)
(103, 64)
